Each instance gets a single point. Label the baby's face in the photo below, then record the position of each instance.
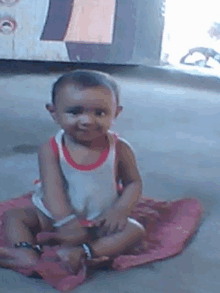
(85, 114)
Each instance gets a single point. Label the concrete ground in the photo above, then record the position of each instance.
(173, 122)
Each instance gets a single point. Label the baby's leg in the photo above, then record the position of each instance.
(110, 246)
(119, 242)
(20, 224)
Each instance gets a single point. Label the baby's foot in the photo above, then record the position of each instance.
(17, 257)
(71, 258)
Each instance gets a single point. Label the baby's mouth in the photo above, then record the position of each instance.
(86, 133)
(85, 130)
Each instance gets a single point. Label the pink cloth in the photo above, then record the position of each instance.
(169, 225)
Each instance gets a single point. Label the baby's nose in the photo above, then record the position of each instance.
(87, 118)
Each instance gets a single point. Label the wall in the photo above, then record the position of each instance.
(97, 31)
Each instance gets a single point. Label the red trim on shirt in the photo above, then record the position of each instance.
(89, 167)
(54, 146)
(36, 181)
(70, 161)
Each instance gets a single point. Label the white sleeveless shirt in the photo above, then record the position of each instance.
(92, 188)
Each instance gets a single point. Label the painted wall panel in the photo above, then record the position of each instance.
(91, 21)
(98, 31)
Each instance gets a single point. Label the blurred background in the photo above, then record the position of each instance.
(191, 24)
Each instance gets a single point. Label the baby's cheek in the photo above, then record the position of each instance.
(111, 122)
(69, 119)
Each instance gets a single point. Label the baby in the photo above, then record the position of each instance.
(78, 195)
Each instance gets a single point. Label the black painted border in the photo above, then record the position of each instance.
(58, 16)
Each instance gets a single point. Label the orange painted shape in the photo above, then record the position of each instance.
(91, 21)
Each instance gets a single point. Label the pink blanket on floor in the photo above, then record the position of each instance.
(169, 225)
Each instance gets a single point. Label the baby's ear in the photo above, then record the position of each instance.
(50, 108)
(118, 111)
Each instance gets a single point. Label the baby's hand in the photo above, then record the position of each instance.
(66, 234)
(111, 221)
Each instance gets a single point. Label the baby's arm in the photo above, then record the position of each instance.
(55, 198)
(129, 174)
(116, 216)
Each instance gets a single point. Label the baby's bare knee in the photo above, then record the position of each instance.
(10, 214)
(27, 216)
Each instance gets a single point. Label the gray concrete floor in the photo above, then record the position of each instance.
(175, 132)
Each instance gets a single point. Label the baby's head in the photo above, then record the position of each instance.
(85, 103)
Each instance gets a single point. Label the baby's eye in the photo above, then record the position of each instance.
(76, 112)
(100, 113)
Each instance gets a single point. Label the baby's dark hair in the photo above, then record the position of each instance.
(83, 78)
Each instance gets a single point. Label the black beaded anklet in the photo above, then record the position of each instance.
(38, 248)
